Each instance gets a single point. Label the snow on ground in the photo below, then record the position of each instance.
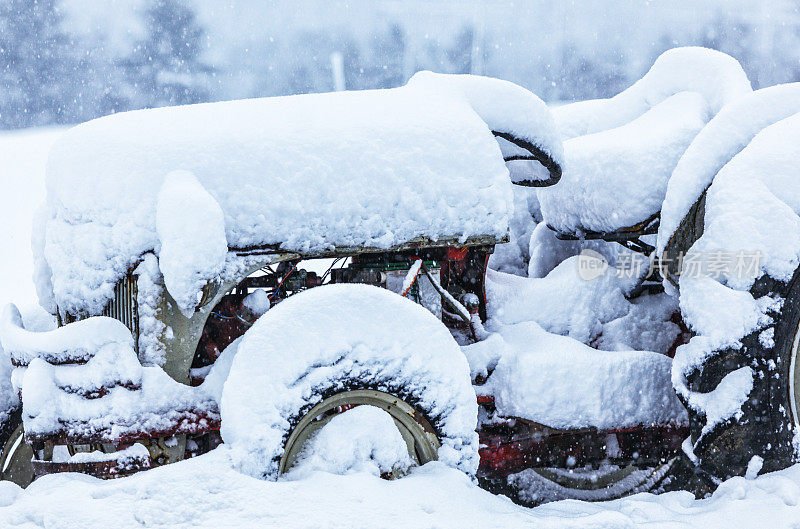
(207, 492)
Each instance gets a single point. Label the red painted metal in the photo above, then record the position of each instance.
(513, 448)
(181, 422)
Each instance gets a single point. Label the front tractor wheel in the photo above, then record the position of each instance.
(329, 349)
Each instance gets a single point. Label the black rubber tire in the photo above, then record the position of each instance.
(7, 429)
(11, 423)
(516, 490)
(766, 426)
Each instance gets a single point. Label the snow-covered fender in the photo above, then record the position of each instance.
(338, 338)
(730, 131)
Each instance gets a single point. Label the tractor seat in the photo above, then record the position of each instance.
(614, 181)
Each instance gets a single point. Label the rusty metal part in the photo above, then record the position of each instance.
(417, 243)
(629, 237)
(99, 469)
(61, 359)
(166, 450)
(461, 311)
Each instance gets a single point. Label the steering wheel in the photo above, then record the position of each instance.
(533, 153)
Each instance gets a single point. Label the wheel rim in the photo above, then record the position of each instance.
(794, 378)
(420, 437)
(15, 460)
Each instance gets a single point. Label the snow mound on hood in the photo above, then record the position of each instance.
(718, 77)
(191, 228)
(310, 172)
(317, 341)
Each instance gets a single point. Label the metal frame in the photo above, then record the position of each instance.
(628, 237)
(794, 378)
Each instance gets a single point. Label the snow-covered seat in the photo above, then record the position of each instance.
(620, 152)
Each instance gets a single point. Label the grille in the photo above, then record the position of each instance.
(124, 306)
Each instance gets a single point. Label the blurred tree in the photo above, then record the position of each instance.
(39, 63)
(305, 65)
(589, 76)
(768, 49)
(166, 66)
(383, 64)
(459, 54)
(739, 38)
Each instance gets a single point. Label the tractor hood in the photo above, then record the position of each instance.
(304, 173)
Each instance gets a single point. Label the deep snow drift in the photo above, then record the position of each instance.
(207, 492)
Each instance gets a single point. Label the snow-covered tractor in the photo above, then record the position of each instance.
(213, 270)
